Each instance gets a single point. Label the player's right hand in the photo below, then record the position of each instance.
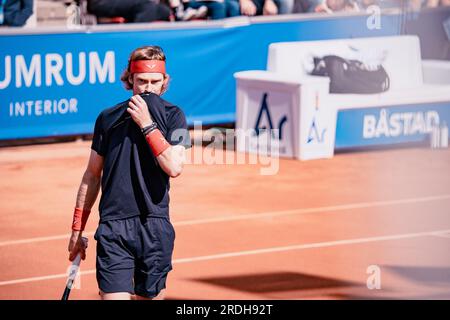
(76, 245)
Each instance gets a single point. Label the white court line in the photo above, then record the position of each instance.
(311, 245)
(41, 239)
(358, 205)
(34, 279)
(442, 234)
(254, 252)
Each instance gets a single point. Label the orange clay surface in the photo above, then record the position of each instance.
(315, 230)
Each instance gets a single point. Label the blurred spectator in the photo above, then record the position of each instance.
(131, 10)
(331, 6)
(411, 4)
(300, 6)
(233, 8)
(181, 11)
(259, 7)
(217, 9)
(364, 4)
(414, 5)
(15, 13)
(417, 4)
(184, 10)
(285, 6)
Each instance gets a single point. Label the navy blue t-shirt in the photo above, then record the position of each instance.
(133, 183)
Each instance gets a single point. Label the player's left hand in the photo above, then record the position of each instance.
(137, 108)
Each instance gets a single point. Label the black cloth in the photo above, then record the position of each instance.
(134, 255)
(301, 6)
(131, 10)
(17, 12)
(260, 6)
(351, 76)
(133, 183)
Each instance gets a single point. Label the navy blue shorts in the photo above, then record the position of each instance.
(134, 255)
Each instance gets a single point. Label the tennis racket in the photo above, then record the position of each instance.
(73, 272)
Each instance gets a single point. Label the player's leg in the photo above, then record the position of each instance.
(161, 295)
(115, 261)
(156, 238)
(115, 296)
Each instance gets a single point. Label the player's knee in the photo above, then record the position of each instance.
(160, 296)
(115, 296)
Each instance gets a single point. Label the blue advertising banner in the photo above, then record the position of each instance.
(57, 83)
(389, 125)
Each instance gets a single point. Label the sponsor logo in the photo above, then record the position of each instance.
(315, 133)
(260, 127)
(398, 124)
(57, 69)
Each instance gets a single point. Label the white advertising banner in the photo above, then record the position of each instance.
(268, 124)
(317, 123)
(284, 117)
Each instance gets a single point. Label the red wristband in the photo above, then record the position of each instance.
(80, 217)
(157, 142)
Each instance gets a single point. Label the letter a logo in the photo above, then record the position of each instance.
(314, 133)
(264, 110)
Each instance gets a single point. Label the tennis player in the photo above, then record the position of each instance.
(138, 145)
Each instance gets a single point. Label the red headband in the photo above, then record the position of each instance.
(148, 66)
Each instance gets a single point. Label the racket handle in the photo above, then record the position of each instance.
(66, 293)
(73, 272)
(71, 279)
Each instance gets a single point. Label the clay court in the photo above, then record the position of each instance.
(312, 231)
